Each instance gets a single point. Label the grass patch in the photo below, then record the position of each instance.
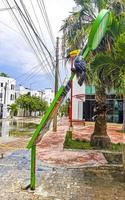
(121, 131)
(116, 147)
(75, 144)
(85, 145)
(16, 133)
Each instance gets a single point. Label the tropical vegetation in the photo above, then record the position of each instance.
(29, 104)
(13, 109)
(4, 74)
(104, 69)
(64, 110)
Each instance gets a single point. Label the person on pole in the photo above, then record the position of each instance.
(80, 69)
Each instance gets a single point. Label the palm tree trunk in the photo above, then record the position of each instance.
(24, 112)
(99, 138)
(123, 127)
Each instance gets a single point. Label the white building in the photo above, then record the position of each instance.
(48, 95)
(22, 90)
(7, 94)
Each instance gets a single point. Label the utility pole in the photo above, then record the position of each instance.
(4, 103)
(5, 93)
(71, 96)
(56, 80)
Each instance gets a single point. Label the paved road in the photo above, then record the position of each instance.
(67, 179)
(60, 183)
(15, 173)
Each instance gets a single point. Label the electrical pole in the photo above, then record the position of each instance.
(5, 93)
(71, 95)
(56, 80)
(4, 103)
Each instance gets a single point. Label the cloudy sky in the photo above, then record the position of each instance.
(16, 55)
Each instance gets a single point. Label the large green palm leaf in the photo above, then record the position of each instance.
(75, 25)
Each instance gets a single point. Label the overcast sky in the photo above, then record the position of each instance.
(16, 56)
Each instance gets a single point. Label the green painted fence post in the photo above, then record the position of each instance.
(33, 167)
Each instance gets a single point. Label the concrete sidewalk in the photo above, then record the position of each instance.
(113, 130)
(50, 150)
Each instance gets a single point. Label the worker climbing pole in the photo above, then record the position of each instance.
(72, 56)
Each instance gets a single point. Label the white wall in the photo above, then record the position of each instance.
(48, 95)
(10, 84)
(77, 110)
(23, 90)
(37, 93)
(7, 94)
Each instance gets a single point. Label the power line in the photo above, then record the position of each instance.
(31, 22)
(26, 73)
(31, 26)
(37, 35)
(23, 31)
(31, 36)
(3, 9)
(37, 20)
(9, 27)
(31, 76)
(25, 25)
(46, 20)
(49, 25)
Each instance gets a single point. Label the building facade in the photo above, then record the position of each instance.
(83, 106)
(48, 95)
(114, 103)
(78, 98)
(23, 91)
(7, 95)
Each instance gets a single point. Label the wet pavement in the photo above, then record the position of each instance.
(58, 183)
(17, 127)
(50, 149)
(15, 173)
(113, 130)
(60, 174)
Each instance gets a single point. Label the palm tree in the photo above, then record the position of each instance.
(119, 69)
(111, 70)
(108, 71)
(13, 108)
(3, 74)
(73, 39)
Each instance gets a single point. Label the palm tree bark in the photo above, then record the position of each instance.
(100, 138)
(123, 113)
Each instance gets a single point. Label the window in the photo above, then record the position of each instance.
(12, 97)
(1, 95)
(12, 87)
(1, 84)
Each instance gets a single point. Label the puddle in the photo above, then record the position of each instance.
(16, 128)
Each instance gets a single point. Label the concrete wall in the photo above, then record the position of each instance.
(77, 103)
(10, 84)
(48, 95)
(7, 95)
